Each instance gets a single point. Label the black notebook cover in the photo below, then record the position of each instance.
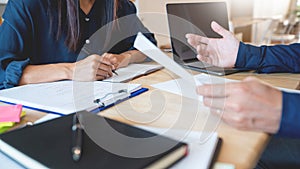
(50, 143)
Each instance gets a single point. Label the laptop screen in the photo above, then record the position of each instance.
(195, 18)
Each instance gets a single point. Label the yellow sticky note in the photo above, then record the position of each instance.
(23, 113)
(7, 125)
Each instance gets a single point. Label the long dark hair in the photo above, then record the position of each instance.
(67, 19)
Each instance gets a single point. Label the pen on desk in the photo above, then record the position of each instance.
(29, 123)
(114, 71)
(76, 138)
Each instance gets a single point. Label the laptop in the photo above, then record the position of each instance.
(195, 18)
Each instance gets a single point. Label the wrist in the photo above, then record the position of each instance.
(127, 58)
(68, 69)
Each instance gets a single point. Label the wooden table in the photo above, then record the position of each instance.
(241, 148)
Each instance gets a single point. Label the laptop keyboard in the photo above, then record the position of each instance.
(198, 64)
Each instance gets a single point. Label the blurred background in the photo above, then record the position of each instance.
(253, 21)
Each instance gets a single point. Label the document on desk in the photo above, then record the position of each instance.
(7, 162)
(200, 155)
(67, 97)
(188, 85)
(145, 46)
(173, 86)
(132, 71)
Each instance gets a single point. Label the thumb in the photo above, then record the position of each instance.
(250, 78)
(219, 29)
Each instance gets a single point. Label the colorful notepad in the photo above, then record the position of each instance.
(4, 126)
(10, 113)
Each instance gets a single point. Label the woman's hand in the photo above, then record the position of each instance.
(117, 60)
(92, 68)
(250, 104)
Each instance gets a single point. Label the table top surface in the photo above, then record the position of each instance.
(241, 148)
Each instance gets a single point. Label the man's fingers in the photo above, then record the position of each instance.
(219, 29)
(216, 90)
(195, 40)
(215, 103)
(205, 59)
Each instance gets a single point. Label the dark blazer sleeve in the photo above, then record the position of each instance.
(129, 25)
(14, 33)
(290, 120)
(269, 59)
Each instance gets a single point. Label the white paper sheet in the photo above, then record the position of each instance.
(145, 46)
(200, 155)
(47, 118)
(6, 162)
(173, 86)
(188, 85)
(131, 71)
(66, 97)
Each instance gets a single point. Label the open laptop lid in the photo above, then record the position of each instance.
(195, 18)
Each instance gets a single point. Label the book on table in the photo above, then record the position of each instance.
(48, 145)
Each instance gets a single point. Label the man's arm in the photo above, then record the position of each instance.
(269, 59)
(290, 120)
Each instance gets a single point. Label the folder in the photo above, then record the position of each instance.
(66, 97)
(48, 145)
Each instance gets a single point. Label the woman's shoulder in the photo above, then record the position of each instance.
(126, 7)
(31, 5)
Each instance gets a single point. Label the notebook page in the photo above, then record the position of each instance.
(131, 71)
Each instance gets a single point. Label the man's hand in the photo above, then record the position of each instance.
(220, 52)
(249, 105)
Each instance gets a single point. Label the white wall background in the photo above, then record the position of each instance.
(236, 8)
(153, 15)
(3, 1)
(2, 6)
(270, 8)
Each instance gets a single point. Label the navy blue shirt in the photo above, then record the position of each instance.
(279, 58)
(27, 38)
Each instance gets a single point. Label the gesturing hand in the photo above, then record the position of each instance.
(219, 52)
(250, 104)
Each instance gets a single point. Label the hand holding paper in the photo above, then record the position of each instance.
(145, 46)
(188, 85)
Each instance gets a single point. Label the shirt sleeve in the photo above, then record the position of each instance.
(13, 35)
(269, 59)
(130, 25)
(290, 120)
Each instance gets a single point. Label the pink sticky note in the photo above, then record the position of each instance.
(10, 113)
